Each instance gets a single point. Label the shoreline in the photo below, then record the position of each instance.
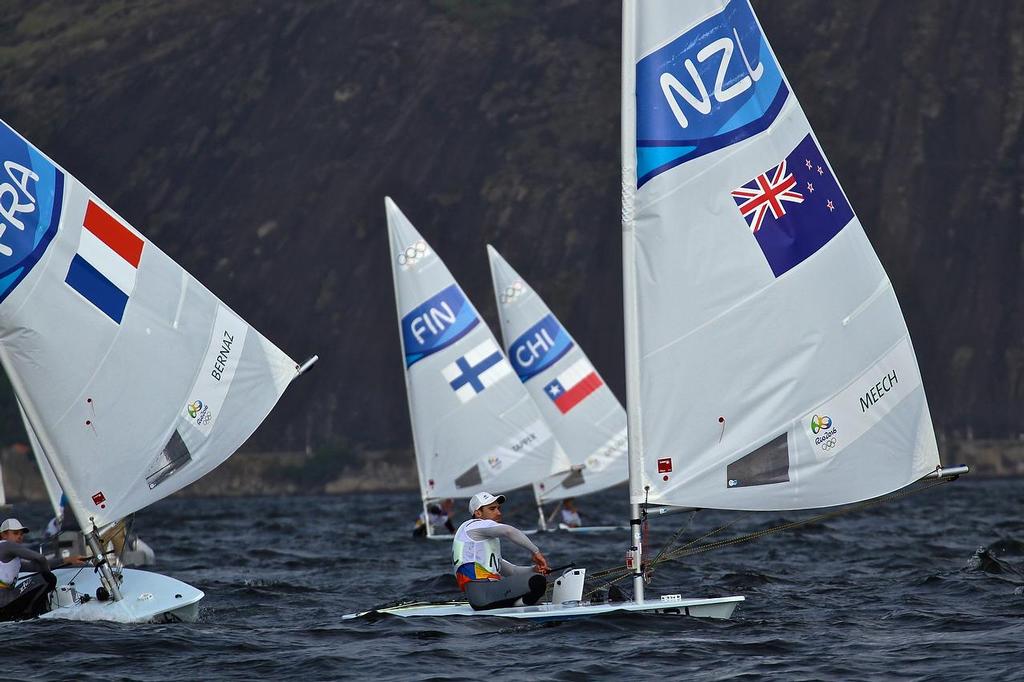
(296, 473)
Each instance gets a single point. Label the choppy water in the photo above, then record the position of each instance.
(900, 591)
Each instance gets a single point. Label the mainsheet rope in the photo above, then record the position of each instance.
(618, 573)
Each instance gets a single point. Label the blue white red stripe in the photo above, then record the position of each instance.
(103, 270)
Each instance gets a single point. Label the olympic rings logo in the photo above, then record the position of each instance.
(510, 292)
(829, 444)
(413, 253)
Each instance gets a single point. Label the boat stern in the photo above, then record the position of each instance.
(146, 597)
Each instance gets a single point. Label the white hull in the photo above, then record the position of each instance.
(718, 607)
(532, 531)
(587, 529)
(147, 597)
(565, 529)
(138, 553)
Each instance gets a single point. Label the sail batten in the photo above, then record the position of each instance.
(768, 363)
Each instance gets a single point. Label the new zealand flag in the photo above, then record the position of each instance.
(794, 208)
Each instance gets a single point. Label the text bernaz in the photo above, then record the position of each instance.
(220, 364)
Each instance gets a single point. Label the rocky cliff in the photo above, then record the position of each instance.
(255, 141)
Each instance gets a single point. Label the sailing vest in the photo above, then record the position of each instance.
(9, 571)
(475, 559)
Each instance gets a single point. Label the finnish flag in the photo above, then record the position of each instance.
(481, 367)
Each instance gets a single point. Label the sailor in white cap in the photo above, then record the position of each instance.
(25, 599)
(489, 581)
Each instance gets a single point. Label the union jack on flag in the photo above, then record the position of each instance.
(767, 192)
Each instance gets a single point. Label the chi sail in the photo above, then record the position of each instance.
(474, 425)
(769, 366)
(581, 410)
(133, 376)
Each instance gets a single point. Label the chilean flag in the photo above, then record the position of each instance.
(104, 268)
(573, 385)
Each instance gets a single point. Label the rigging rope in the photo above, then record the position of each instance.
(618, 573)
(687, 551)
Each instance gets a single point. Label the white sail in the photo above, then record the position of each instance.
(583, 413)
(768, 363)
(134, 377)
(474, 426)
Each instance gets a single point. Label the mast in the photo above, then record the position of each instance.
(542, 522)
(634, 454)
(426, 517)
(392, 243)
(100, 559)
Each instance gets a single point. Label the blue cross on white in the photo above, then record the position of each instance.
(481, 367)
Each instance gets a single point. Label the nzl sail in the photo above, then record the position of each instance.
(473, 424)
(768, 363)
(581, 410)
(135, 378)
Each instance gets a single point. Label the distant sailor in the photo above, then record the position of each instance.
(489, 581)
(25, 599)
(62, 521)
(570, 517)
(438, 516)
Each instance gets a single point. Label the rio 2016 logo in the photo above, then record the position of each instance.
(820, 423)
(200, 412)
(825, 432)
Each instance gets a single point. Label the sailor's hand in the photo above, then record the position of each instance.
(541, 563)
(75, 560)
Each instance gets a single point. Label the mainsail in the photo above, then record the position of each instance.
(768, 363)
(135, 378)
(474, 426)
(581, 410)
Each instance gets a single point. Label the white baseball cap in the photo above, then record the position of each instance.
(15, 524)
(482, 500)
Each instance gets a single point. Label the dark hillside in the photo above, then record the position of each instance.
(255, 142)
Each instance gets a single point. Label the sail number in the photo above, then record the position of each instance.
(700, 102)
(11, 205)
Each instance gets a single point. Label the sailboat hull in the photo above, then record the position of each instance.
(147, 597)
(588, 529)
(718, 607)
(449, 538)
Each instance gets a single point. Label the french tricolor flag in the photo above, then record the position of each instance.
(573, 385)
(104, 268)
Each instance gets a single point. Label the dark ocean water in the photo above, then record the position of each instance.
(926, 587)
